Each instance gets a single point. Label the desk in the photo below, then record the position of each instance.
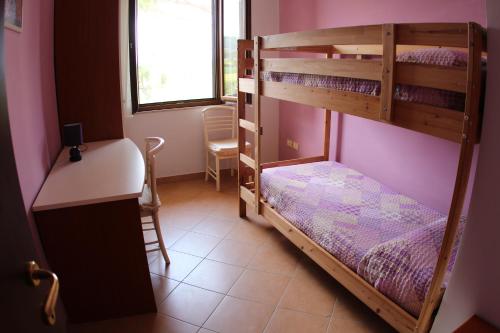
(87, 215)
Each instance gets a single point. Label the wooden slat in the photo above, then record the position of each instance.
(361, 69)
(327, 123)
(307, 49)
(245, 85)
(439, 77)
(470, 129)
(374, 299)
(388, 61)
(377, 49)
(248, 125)
(292, 162)
(327, 126)
(247, 196)
(257, 44)
(247, 160)
(442, 34)
(369, 34)
(443, 123)
(361, 105)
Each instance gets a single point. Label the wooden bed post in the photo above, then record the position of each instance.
(469, 136)
(257, 122)
(241, 130)
(328, 124)
(388, 67)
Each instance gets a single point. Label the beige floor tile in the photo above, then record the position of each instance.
(310, 292)
(276, 257)
(251, 232)
(215, 226)
(260, 286)
(150, 323)
(191, 304)
(170, 234)
(180, 266)
(351, 315)
(233, 252)
(162, 287)
(214, 275)
(288, 321)
(182, 217)
(196, 244)
(236, 315)
(152, 256)
(204, 330)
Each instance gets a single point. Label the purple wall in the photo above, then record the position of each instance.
(31, 96)
(418, 165)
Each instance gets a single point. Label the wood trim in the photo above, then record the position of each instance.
(178, 104)
(439, 122)
(368, 34)
(365, 106)
(471, 124)
(247, 196)
(257, 120)
(374, 299)
(248, 161)
(248, 125)
(292, 162)
(439, 34)
(388, 63)
(360, 69)
(439, 77)
(180, 178)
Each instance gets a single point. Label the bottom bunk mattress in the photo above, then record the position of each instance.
(389, 239)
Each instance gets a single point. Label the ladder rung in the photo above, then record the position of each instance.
(152, 250)
(247, 125)
(148, 229)
(149, 243)
(147, 222)
(247, 195)
(247, 160)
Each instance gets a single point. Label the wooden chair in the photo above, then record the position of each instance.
(149, 200)
(220, 138)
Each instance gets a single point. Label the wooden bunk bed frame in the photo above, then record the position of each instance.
(385, 40)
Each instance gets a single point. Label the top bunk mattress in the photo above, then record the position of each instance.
(430, 96)
(389, 239)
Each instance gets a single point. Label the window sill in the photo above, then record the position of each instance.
(180, 108)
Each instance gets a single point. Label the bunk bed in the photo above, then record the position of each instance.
(425, 77)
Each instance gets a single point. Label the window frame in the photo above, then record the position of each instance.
(218, 61)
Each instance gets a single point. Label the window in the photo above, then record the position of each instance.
(183, 52)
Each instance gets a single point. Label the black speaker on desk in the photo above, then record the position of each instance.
(73, 138)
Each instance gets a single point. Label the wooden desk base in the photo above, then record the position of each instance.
(98, 253)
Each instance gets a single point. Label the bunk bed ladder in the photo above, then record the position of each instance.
(248, 167)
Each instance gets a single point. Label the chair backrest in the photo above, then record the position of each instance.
(220, 120)
(153, 146)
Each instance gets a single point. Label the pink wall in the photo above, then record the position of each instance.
(31, 96)
(418, 165)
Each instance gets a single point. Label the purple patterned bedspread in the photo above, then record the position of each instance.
(389, 239)
(430, 56)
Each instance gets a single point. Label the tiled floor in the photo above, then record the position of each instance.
(235, 275)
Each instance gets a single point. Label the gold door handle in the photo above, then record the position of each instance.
(35, 274)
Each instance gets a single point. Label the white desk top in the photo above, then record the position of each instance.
(109, 171)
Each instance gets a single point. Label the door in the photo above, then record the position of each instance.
(21, 304)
